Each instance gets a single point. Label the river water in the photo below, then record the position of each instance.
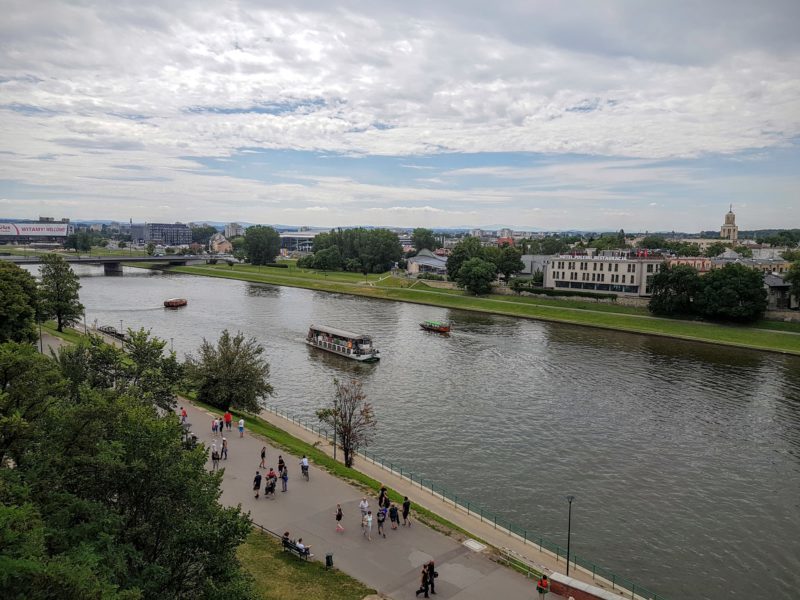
(684, 458)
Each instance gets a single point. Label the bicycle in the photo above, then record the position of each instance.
(304, 471)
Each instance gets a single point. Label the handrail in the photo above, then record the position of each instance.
(602, 576)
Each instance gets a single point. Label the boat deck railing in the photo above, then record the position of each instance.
(341, 349)
(601, 576)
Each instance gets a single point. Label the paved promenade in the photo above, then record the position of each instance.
(391, 565)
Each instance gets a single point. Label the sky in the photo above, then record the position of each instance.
(455, 113)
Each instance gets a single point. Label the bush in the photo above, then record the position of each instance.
(277, 265)
(522, 287)
(431, 276)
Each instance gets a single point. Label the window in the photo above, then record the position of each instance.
(594, 266)
(649, 268)
(616, 267)
(623, 279)
(601, 266)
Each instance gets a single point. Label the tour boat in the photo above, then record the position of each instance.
(175, 302)
(437, 326)
(350, 345)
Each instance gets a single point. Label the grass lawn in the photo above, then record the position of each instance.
(68, 334)
(279, 575)
(779, 338)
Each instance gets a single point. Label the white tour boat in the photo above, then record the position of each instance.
(351, 345)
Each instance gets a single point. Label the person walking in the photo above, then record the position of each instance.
(432, 575)
(339, 515)
(263, 457)
(281, 465)
(423, 582)
(241, 428)
(394, 516)
(184, 415)
(284, 478)
(363, 506)
(214, 458)
(543, 586)
(368, 525)
(214, 427)
(381, 521)
(381, 495)
(406, 511)
(228, 418)
(224, 448)
(257, 484)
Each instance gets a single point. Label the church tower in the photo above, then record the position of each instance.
(730, 231)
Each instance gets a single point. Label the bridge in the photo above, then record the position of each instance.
(112, 265)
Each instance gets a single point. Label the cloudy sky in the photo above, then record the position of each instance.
(525, 113)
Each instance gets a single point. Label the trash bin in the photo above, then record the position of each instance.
(329, 561)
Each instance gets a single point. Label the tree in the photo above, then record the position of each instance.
(793, 277)
(422, 238)
(379, 250)
(653, 242)
(232, 374)
(715, 249)
(734, 292)
(674, 290)
(552, 245)
(351, 417)
(18, 304)
(510, 262)
(469, 247)
(328, 259)
(80, 241)
(58, 291)
(150, 248)
(121, 245)
(476, 275)
(201, 235)
(262, 244)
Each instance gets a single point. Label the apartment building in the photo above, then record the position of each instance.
(625, 273)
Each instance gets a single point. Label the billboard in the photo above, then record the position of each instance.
(34, 229)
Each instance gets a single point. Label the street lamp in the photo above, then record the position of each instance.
(569, 528)
(120, 326)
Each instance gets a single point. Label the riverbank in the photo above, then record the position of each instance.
(767, 336)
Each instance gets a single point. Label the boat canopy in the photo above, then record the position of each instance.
(341, 333)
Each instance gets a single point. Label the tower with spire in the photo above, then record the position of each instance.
(730, 230)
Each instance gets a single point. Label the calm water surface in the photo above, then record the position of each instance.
(684, 458)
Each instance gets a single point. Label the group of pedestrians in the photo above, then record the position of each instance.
(386, 509)
(272, 477)
(428, 577)
(216, 454)
(225, 422)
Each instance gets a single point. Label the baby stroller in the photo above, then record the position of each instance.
(269, 488)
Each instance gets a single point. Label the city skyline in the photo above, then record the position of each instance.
(595, 118)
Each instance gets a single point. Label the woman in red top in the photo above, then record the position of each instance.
(228, 419)
(543, 586)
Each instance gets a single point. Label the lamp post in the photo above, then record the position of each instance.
(120, 326)
(569, 527)
(171, 347)
(41, 344)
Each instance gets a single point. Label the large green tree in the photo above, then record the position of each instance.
(231, 374)
(476, 275)
(18, 303)
(674, 290)
(328, 259)
(262, 244)
(467, 248)
(715, 249)
(58, 291)
(202, 234)
(793, 277)
(734, 292)
(510, 262)
(422, 238)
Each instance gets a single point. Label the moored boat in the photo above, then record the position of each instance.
(175, 302)
(437, 326)
(356, 346)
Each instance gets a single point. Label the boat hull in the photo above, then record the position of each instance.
(345, 352)
(439, 329)
(175, 303)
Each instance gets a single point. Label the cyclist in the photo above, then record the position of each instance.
(304, 466)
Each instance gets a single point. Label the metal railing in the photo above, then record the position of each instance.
(602, 576)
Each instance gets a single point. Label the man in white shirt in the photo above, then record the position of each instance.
(303, 549)
(241, 428)
(364, 507)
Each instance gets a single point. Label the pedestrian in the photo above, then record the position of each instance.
(263, 457)
(363, 507)
(432, 575)
(542, 586)
(224, 448)
(183, 415)
(386, 502)
(241, 428)
(281, 465)
(381, 521)
(228, 418)
(368, 525)
(394, 516)
(214, 427)
(214, 458)
(339, 515)
(406, 511)
(284, 478)
(423, 587)
(381, 495)
(257, 484)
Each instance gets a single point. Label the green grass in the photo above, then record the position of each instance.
(280, 575)
(779, 338)
(70, 335)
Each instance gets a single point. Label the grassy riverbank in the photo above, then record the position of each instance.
(766, 335)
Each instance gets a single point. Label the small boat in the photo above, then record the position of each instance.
(437, 326)
(356, 346)
(175, 302)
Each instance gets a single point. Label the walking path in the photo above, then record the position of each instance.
(391, 565)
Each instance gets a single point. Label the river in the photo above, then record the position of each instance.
(684, 458)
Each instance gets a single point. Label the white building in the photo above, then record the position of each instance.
(233, 230)
(624, 274)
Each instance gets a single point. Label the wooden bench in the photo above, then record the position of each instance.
(290, 546)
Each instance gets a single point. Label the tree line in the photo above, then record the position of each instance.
(474, 267)
(358, 250)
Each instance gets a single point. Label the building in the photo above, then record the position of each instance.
(626, 273)
(426, 262)
(298, 241)
(219, 245)
(505, 241)
(730, 231)
(138, 232)
(778, 292)
(700, 263)
(765, 265)
(45, 230)
(535, 262)
(168, 234)
(233, 230)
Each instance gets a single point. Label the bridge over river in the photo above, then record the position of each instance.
(112, 265)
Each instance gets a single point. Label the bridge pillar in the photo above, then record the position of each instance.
(112, 268)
